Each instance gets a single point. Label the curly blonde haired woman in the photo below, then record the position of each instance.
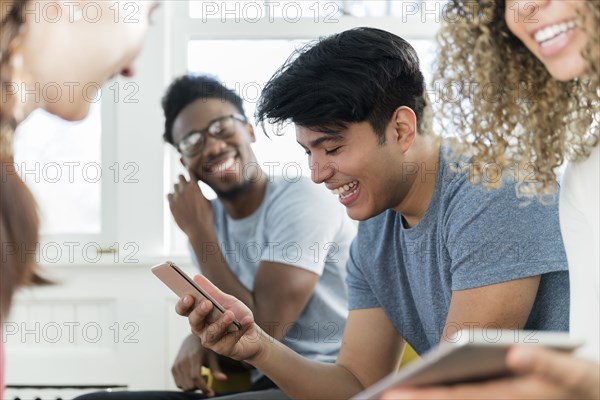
(41, 43)
(533, 101)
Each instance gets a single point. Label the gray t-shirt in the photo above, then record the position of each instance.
(468, 238)
(301, 225)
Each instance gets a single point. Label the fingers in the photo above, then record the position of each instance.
(190, 381)
(181, 375)
(185, 305)
(201, 383)
(212, 333)
(564, 369)
(180, 185)
(187, 372)
(215, 367)
(208, 331)
(193, 176)
(499, 389)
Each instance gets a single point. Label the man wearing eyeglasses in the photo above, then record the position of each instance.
(279, 245)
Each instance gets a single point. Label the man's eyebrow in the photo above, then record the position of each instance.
(326, 139)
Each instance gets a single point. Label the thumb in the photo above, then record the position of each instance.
(553, 365)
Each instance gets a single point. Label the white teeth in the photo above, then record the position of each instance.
(552, 31)
(223, 166)
(344, 195)
(342, 190)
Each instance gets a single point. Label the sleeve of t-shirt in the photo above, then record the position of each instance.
(493, 236)
(301, 226)
(360, 294)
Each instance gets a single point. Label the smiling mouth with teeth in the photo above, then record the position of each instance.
(222, 166)
(545, 36)
(347, 190)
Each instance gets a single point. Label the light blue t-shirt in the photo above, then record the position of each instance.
(301, 225)
(469, 237)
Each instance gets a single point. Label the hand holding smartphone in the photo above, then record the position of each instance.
(182, 285)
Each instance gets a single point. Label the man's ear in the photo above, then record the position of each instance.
(404, 121)
(251, 133)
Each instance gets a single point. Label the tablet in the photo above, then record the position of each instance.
(468, 356)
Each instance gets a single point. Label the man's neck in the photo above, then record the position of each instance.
(246, 203)
(417, 200)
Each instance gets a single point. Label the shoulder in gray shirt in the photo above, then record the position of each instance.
(468, 238)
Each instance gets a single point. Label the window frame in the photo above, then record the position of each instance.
(138, 214)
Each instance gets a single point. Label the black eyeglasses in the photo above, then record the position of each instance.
(220, 128)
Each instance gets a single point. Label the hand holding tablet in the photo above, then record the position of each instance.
(468, 356)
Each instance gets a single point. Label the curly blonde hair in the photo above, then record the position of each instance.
(506, 106)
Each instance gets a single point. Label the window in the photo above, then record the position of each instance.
(61, 164)
(329, 10)
(126, 209)
(231, 34)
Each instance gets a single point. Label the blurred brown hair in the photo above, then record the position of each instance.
(19, 221)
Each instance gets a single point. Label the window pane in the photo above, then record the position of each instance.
(318, 11)
(60, 162)
(252, 11)
(260, 59)
(233, 11)
(371, 8)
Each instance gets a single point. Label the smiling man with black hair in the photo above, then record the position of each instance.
(434, 253)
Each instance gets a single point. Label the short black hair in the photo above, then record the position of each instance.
(189, 88)
(362, 74)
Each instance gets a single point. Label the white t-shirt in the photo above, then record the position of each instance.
(580, 227)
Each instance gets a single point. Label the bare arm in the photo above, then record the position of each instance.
(371, 349)
(279, 295)
(504, 305)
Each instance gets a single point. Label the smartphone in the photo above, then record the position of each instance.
(477, 355)
(181, 284)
